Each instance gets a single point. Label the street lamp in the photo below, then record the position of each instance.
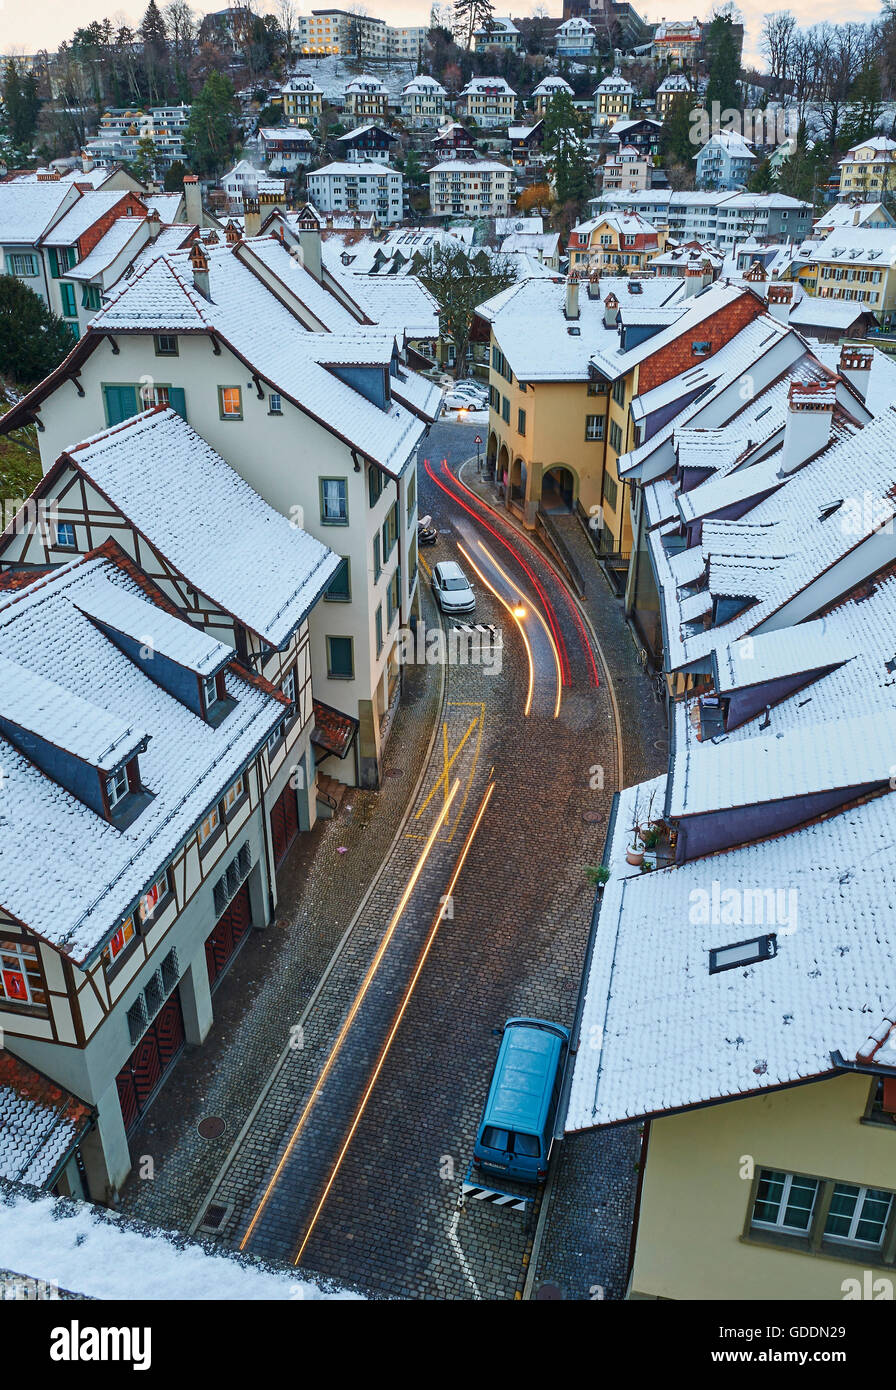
(478, 443)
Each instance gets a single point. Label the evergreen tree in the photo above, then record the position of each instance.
(573, 174)
(761, 180)
(210, 136)
(675, 140)
(724, 68)
(32, 339)
(174, 177)
(865, 107)
(22, 105)
(144, 163)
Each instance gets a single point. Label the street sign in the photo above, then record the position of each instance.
(478, 439)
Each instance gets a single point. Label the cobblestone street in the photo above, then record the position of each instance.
(368, 1192)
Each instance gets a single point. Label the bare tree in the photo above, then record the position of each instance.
(182, 26)
(288, 19)
(777, 39)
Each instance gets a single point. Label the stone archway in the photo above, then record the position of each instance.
(558, 489)
(516, 489)
(491, 454)
(503, 464)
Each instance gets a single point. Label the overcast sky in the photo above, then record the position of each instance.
(28, 25)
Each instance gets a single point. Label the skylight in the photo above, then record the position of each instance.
(742, 953)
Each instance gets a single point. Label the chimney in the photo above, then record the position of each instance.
(232, 234)
(810, 411)
(48, 175)
(693, 280)
(199, 263)
(855, 218)
(780, 302)
(611, 309)
(193, 200)
(309, 241)
(87, 162)
(855, 367)
(153, 224)
(571, 309)
(251, 215)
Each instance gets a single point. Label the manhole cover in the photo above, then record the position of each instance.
(394, 771)
(592, 817)
(212, 1127)
(548, 1291)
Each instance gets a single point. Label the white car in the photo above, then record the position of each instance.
(452, 589)
(461, 399)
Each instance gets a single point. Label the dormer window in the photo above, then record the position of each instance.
(117, 787)
(210, 693)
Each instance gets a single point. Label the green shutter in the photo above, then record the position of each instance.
(121, 403)
(54, 262)
(177, 400)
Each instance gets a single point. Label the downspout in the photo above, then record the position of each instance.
(272, 905)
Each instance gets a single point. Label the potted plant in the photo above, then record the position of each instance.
(597, 875)
(635, 853)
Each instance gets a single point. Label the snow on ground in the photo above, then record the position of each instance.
(81, 1249)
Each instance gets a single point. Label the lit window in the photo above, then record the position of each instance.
(20, 977)
(209, 826)
(117, 787)
(231, 401)
(120, 941)
(233, 794)
(150, 901)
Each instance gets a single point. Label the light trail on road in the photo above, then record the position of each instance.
(437, 921)
(507, 579)
(356, 1004)
(516, 618)
(548, 606)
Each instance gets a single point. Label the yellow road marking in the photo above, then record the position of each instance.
(423, 563)
(449, 763)
(479, 722)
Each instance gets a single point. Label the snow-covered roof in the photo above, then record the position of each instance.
(167, 205)
(845, 245)
(735, 1032)
(731, 142)
(813, 311)
(27, 209)
(852, 215)
(86, 1250)
(614, 83)
(181, 497)
(495, 24)
(66, 873)
(290, 135)
(547, 244)
(470, 166)
(347, 170)
(521, 226)
(675, 82)
(89, 208)
(548, 86)
(123, 231)
(366, 84)
(424, 85)
(489, 84)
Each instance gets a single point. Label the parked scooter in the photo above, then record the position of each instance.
(426, 532)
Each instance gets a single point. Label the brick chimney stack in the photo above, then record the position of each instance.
(611, 309)
(193, 200)
(810, 413)
(251, 215)
(199, 265)
(855, 367)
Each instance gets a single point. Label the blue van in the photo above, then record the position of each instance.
(516, 1129)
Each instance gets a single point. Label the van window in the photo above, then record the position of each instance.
(527, 1145)
(495, 1138)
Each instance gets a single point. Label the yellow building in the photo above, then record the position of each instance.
(755, 1198)
(614, 243)
(868, 170)
(856, 263)
(302, 100)
(566, 363)
(612, 99)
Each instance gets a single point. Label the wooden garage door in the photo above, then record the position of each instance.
(284, 823)
(229, 931)
(156, 1051)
